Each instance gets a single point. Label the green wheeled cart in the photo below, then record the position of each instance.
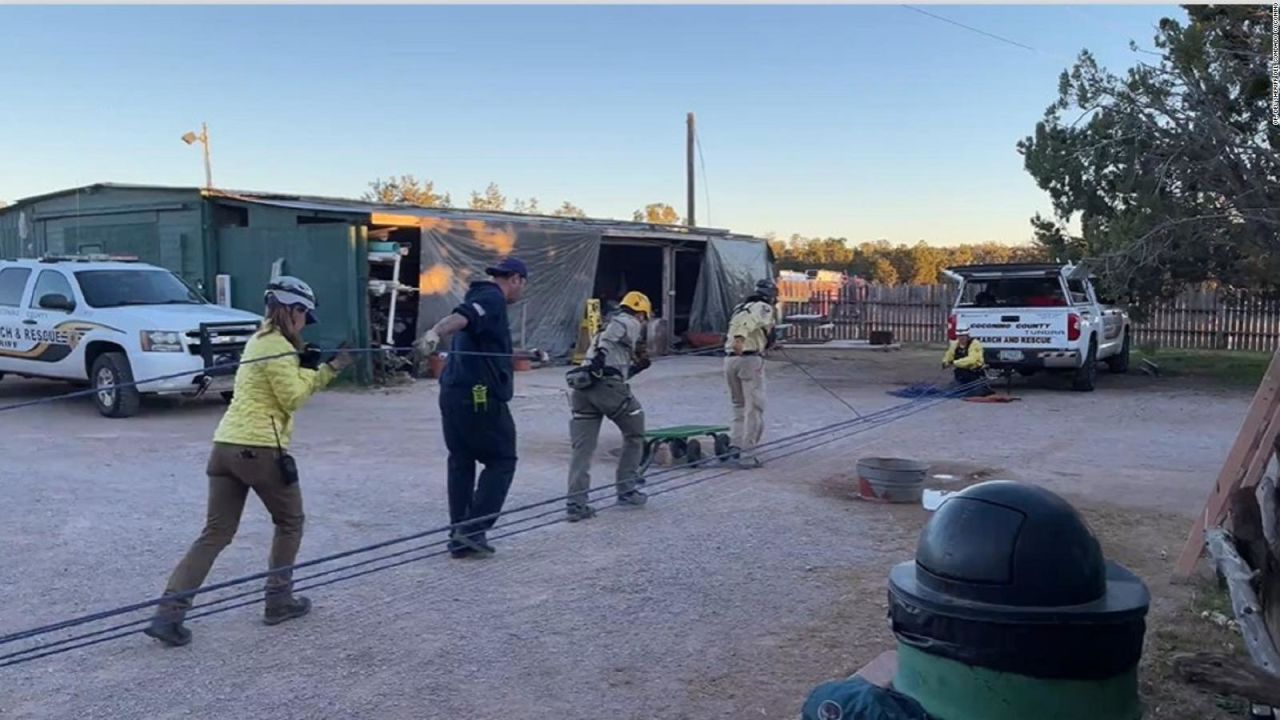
(685, 446)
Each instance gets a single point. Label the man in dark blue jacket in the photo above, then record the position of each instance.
(474, 391)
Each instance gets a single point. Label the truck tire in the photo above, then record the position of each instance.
(1087, 373)
(112, 368)
(1119, 363)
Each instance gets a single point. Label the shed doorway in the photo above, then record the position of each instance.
(626, 267)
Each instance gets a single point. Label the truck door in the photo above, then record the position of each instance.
(15, 283)
(47, 321)
(1111, 335)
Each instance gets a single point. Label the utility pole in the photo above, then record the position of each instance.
(689, 143)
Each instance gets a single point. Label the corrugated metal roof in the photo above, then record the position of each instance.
(363, 207)
(315, 203)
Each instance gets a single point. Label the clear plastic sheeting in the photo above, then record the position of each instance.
(730, 270)
(561, 261)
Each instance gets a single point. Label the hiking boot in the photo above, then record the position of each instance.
(575, 512)
(474, 544)
(279, 611)
(747, 462)
(633, 498)
(732, 454)
(457, 550)
(167, 628)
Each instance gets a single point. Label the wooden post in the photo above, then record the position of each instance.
(1244, 602)
(1242, 466)
(689, 149)
(669, 294)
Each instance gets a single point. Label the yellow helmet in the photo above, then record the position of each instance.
(638, 301)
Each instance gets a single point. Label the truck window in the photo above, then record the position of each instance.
(12, 282)
(50, 282)
(117, 288)
(1013, 292)
(1079, 296)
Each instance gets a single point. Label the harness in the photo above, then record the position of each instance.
(585, 376)
(743, 308)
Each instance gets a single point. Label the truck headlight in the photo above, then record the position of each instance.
(161, 341)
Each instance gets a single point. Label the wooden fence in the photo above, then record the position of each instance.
(1195, 319)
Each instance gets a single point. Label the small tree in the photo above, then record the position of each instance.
(568, 209)
(492, 199)
(408, 190)
(657, 214)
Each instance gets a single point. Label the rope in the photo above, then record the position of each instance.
(818, 382)
(880, 418)
(232, 365)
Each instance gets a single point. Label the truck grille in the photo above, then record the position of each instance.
(220, 344)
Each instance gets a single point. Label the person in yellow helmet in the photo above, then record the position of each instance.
(600, 390)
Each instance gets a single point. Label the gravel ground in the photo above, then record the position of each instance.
(717, 600)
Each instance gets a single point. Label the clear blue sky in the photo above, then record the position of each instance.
(864, 122)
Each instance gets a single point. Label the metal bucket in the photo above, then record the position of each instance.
(894, 480)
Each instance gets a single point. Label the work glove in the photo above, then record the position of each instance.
(309, 357)
(428, 343)
(597, 363)
(738, 344)
(342, 360)
(638, 366)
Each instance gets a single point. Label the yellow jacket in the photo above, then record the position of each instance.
(972, 360)
(267, 391)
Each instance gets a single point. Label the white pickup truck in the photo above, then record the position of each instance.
(1031, 317)
(106, 322)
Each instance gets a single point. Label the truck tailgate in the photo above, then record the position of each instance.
(1028, 328)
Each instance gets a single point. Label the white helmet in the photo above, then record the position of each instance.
(289, 290)
(962, 329)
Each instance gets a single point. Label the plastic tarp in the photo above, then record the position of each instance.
(562, 266)
(857, 699)
(730, 269)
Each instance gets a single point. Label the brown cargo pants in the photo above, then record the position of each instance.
(611, 398)
(233, 471)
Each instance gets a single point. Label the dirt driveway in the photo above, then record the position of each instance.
(728, 599)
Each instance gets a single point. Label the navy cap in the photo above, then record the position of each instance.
(509, 266)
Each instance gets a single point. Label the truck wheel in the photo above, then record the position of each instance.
(108, 369)
(1119, 364)
(1087, 373)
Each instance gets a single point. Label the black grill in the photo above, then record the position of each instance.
(220, 345)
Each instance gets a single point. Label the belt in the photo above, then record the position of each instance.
(749, 353)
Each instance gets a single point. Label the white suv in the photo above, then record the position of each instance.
(113, 321)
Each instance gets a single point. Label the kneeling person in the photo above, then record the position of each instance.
(600, 390)
(967, 360)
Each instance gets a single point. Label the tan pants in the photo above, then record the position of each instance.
(233, 471)
(745, 375)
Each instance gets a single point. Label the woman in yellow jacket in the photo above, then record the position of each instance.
(249, 454)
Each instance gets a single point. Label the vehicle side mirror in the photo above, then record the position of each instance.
(56, 301)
